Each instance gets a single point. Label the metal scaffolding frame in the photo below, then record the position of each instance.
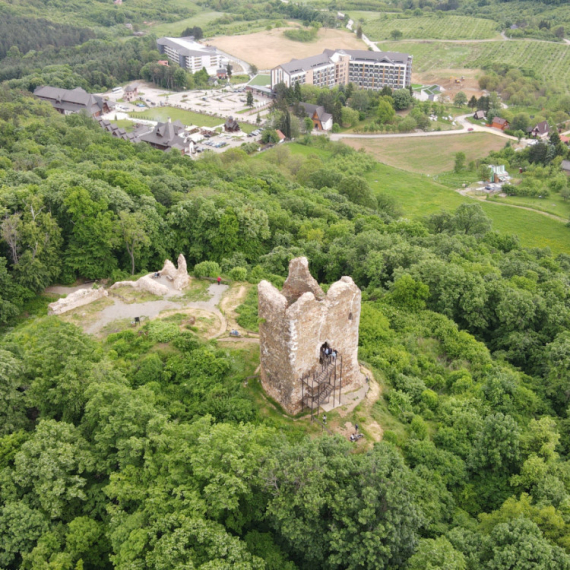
(317, 386)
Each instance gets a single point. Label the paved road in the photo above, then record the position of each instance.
(246, 67)
(462, 120)
(369, 43)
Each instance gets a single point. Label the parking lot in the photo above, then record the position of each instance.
(225, 102)
(224, 141)
(208, 138)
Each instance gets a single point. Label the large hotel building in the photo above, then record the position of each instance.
(365, 69)
(190, 54)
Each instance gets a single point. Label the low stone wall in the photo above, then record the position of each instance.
(76, 299)
(146, 283)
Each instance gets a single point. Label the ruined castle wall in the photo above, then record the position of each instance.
(275, 343)
(76, 299)
(342, 325)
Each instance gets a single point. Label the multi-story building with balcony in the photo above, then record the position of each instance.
(190, 54)
(365, 69)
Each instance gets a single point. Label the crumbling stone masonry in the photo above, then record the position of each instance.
(76, 299)
(294, 325)
(179, 278)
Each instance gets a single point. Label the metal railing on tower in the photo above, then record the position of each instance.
(318, 386)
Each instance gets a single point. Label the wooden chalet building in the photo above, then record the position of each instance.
(501, 124)
(322, 121)
(540, 130)
(166, 136)
(69, 101)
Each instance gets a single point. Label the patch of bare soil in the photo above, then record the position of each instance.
(206, 323)
(270, 48)
(446, 78)
(232, 299)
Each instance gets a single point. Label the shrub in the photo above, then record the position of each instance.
(301, 35)
(238, 273)
(419, 427)
(336, 128)
(207, 269)
(248, 316)
(162, 331)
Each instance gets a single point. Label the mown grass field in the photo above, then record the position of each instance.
(176, 28)
(554, 204)
(551, 61)
(431, 27)
(261, 80)
(418, 195)
(428, 155)
(186, 117)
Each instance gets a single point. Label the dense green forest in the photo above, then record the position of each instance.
(102, 13)
(95, 65)
(146, 451)
(20, 35)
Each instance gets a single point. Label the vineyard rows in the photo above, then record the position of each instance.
(444, 28)
(550, 61)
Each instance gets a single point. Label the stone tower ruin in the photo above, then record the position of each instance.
(295, 326)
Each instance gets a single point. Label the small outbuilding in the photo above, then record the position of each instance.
(231, 125)
(540, 130)
(565, 167)
(501, 124)
(322, 121)
(131, 92)
(479, 115)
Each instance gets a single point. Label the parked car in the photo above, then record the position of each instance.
(470, 129)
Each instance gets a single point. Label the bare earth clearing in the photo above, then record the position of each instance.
(446, 78)
(430, 155)
(270, 48)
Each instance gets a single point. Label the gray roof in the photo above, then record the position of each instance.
(565, 165)
(163, 134)
(231, 123)
(319, 109)
(130, 88)
(73, 100)
(366, 55)
(307, 63)
(543, 127)
(297, 65)
(172, 43)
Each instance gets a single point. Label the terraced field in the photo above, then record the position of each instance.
(431, 27)
(551, 61)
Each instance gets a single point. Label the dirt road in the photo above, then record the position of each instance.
(466, 127)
